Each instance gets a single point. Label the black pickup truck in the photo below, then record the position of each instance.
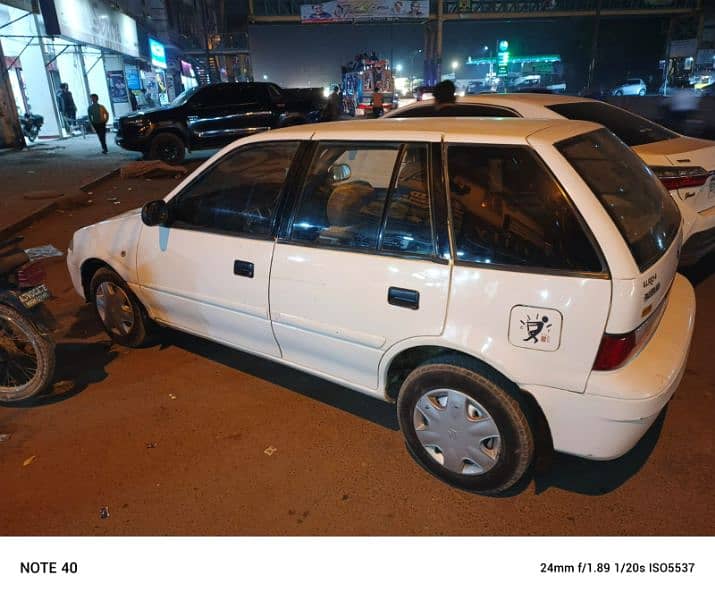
(214, 115)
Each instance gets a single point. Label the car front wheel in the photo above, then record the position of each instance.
(119, 310)
(168, 147)
(465, 426)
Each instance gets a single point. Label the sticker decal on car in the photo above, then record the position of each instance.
(535, 328)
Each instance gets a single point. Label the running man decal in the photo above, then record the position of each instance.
(535, 328)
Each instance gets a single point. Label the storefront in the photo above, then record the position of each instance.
(82, 43)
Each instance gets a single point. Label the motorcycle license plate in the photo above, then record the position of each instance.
(35, 296)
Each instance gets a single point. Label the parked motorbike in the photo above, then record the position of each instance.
(31, 125)
(27, 348)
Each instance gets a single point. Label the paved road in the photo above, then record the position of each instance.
(173, 439)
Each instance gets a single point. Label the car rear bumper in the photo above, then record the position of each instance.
(701, 240)
(618, 407)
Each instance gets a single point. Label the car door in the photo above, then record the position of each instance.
(207, 272)
(251, 110)
(358, 267)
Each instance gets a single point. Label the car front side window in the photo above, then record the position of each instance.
(239, 194)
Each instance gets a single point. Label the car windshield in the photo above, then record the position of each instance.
(639, 205)
(631, 128)
(183, 97)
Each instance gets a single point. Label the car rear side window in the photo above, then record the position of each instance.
(507, 210)
(639, 205)
(239, 194)
(631, 128)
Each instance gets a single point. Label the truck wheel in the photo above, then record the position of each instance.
(168, 147)
(465, 426)
(123, 317)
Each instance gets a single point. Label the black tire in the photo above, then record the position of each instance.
(618, 93)
(503, 403)
(43, 350)
(641, 92)
(32, 133)
(168, 147)
(141, 329)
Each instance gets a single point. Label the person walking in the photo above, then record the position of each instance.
(67, 107)
(98, 117)
(331, 112)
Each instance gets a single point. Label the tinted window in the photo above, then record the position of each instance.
(209, 96)
(408, 226)
(457, 110)
(348, 195)
(508, 210)
(631, 128)
(344, 196)
(639, 205)
(241, 94)
(239, 194)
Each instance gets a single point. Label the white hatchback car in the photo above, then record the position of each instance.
(502, 281)
(685, 165)
(630, 87)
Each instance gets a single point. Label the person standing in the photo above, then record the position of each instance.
(68, 109)
(444, 93)
(331, 112)
(377, 101)
(98, 117)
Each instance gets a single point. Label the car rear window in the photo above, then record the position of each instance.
(639, 205)
(631, 128)
(455, 110)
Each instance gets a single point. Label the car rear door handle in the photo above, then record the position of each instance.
(243, 268)
(404, 298)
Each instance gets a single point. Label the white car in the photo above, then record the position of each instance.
(685, 165)
(502, 281)
(631, 87)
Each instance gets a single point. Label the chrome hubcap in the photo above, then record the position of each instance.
(114, 308)
(18, 356)
(457, 432)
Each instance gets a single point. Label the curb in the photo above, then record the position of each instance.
(9, 230)
(102, 178)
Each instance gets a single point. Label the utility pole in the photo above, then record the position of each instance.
(10, 132)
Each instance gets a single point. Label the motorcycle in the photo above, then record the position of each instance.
(31, 125)
(27, 348)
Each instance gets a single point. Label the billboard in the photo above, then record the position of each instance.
(157, 53)
(341, 11)
(91, 22)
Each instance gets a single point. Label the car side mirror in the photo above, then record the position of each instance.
(340, 172)
(155, 213)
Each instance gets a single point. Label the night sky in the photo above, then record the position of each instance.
(301, 55)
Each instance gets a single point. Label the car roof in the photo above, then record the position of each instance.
(481, 128)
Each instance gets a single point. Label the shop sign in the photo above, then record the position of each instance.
(157, 53)
(91, 22)
(134, 82)
(503, 58)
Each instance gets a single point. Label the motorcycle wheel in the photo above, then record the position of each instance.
(27, 359)
(32, 134)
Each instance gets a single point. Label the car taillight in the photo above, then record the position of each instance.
(616, 349)
(30, 275)
(675, 178)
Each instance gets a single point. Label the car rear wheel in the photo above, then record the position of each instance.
(168, 147)
(618, 93)
(641, 92)
(465, 426)
(123, 317)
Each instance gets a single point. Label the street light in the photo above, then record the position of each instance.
(455, 64)
(412, 69)
(398, 67)
(265, 77)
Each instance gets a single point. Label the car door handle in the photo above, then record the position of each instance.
(243, 268)
(404, 298)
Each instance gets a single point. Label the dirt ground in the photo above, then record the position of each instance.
(191, 438)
